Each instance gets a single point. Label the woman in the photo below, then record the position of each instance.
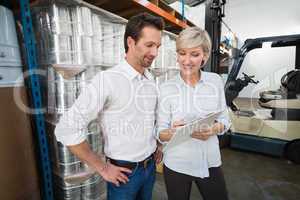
(192, 95)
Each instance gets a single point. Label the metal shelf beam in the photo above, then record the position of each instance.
(157, 10)
(31, 58)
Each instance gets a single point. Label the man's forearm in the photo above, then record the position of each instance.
(108, 171)
(166, 135)
(85, 154)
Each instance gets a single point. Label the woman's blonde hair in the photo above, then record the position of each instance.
(192, 37)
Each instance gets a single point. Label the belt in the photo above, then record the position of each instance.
(131, 165)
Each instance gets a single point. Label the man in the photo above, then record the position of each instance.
(124, 98)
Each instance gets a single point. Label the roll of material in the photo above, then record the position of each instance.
(85, 21)
(93, 188)
(62, 93)
(76, 35)
(66, 169)
(65, 155)
(108, 43)
(68, 163)
(68, 193)
(65, 190)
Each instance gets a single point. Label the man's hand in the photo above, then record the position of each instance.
(109, 172)
(158, 155)
(114, 174)
(204, 134)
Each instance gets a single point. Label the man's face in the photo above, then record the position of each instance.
(145, 49)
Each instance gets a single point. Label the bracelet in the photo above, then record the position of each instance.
(103, 168)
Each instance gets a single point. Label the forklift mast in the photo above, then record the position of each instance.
(214, 12)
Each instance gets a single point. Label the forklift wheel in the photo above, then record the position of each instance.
(292, 151)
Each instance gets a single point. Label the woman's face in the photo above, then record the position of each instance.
(190, 60)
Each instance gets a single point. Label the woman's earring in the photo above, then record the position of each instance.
(202, 63)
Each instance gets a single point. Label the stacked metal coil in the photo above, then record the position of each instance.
(65, 190)
(165, 66)
(68, 163)
(77, 36)
(62, 92)
(92, 188)
(70, 35)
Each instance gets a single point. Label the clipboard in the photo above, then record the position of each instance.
(183, 133)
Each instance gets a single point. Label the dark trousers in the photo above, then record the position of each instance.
(211, 188)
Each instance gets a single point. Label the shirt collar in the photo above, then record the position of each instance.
(203, 78)
(132, 73)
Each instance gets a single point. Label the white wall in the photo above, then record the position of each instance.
(262, 18)
(256, 18)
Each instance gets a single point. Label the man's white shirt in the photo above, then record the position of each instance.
(125, 102)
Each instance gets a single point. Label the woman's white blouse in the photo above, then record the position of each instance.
(179, 101)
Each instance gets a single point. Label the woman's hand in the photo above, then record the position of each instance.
(201, 135)
(167, 134)
(178, 123)
(204, 134)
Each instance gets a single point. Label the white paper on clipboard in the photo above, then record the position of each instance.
(184, 133)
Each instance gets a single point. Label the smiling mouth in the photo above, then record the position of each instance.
(187, 67)
(150, 60)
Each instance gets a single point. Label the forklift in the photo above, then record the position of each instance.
(270, 124)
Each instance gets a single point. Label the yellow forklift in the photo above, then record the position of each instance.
(270, 124)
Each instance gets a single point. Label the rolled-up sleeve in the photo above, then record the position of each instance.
(224, 117)
(163, 112)
(72, 126)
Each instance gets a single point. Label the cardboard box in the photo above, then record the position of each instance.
(18, 165)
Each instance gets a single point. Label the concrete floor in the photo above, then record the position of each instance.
(251, 176)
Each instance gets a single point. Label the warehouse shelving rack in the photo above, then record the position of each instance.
(175, 22)
(31, 58)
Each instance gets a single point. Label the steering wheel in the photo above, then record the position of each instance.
(250, 78)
